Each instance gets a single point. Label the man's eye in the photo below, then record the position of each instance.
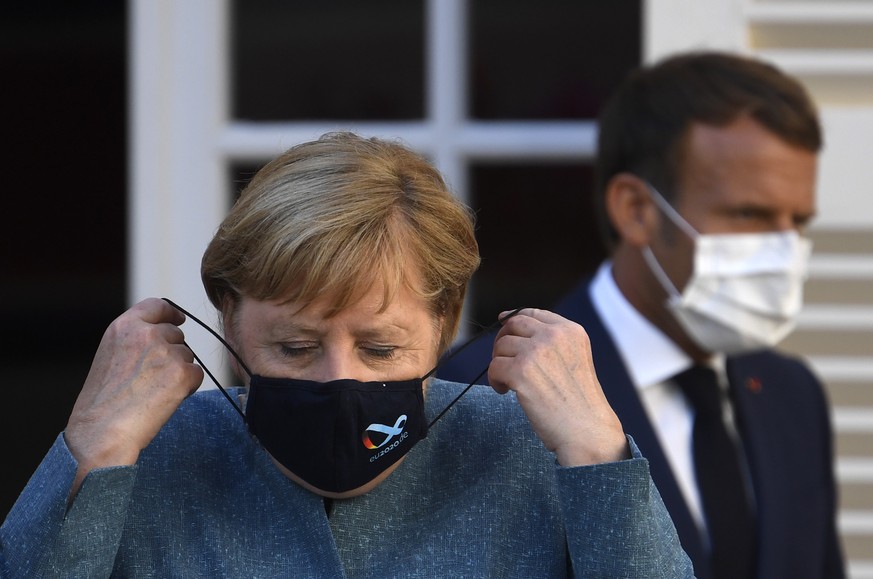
(749, 213)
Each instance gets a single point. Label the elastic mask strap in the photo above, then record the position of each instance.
(454, 353)
(679, 222)
(202, 365)
(659, 272)
(671, 213)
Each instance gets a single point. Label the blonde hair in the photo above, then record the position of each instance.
(332, 217)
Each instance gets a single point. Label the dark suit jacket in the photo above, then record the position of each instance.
(783, 420)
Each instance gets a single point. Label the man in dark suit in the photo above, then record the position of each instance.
(706, 175)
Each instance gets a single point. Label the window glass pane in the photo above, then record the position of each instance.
(343, 60)
(240, 175)
(551, 59)
(537, 234)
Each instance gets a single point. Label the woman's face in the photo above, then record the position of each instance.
(277, 338)
(280, 339)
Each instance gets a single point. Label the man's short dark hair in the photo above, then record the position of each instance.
(645, 123)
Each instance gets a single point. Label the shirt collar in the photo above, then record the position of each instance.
(649, 356)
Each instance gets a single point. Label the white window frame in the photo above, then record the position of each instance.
(183, 141)
(183, 138)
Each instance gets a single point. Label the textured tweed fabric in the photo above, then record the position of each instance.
(479, 497)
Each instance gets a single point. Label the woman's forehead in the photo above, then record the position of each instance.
(371, 309)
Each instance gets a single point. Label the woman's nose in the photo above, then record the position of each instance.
(335, 365)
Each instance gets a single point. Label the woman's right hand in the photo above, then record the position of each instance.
(141, 373)
(546, 360)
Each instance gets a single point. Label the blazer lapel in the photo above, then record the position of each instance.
(746, 388)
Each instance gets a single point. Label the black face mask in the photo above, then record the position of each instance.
(335, 436)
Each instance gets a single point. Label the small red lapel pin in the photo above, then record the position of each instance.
(754, 385)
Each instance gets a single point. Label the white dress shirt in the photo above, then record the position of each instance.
(651, 359)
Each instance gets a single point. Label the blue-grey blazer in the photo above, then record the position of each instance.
(479, 497)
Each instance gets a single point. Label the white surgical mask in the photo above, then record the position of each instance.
(746, 288)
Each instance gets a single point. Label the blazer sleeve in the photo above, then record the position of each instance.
(616, 523)
(44, 537)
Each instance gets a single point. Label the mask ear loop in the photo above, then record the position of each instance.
(202, 365)
(488, 329)
(649, 256)
(671, 213)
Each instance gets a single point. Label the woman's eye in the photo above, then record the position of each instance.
(295, 350)
(382, 352)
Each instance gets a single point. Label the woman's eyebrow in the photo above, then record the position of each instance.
(384, 332)
(282, 328)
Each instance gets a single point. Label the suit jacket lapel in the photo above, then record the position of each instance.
(745, 389)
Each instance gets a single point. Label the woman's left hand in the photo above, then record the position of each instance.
(546, 360)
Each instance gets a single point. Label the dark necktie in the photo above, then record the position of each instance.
(720, 479)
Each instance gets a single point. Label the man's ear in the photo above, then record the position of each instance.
(631, 209)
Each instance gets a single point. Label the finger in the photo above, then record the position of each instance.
(505, 315)
(194, 377)
(544, 316)
(182, 370)
(520, 324)
(496, 374)
(498, 387)
(171, 334)
(191, 363)
(182, 351)
(157, 311)
(508, 346)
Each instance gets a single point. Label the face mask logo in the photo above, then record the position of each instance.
(389, 432)
(334, 436)
(745, 291)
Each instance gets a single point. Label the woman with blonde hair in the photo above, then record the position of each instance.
(339, 275)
